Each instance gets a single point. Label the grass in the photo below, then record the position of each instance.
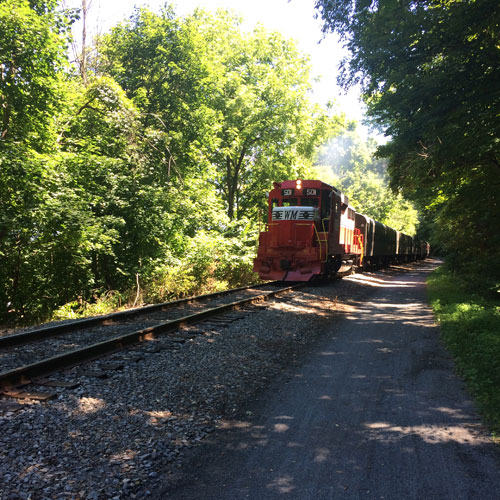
(470, 326)
(107, 303)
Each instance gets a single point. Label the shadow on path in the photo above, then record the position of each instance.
(376, 412)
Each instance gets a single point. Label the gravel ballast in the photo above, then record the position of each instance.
(117, 437)
(12, 357)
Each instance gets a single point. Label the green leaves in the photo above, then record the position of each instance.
(430, 74)
(232, 103)
(155, 166)
(28, 84)
(363, 179)
(101, 120)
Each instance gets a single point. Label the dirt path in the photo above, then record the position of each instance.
(375, 412)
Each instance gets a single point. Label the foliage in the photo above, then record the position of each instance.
(104, 304)
(267, 127)
(469, 324)
(351, 167)
(31, 59)
(231, 101)
(467, 216)
(212, 262)
(155, 61)
(39, 214)
(430, 74)
(114, 189)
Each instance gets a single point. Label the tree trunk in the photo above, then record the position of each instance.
(83, 61)
(6, 108)
(230, 191)
(232, 178)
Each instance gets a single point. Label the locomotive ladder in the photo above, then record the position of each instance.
(320, 241)
(358, 239)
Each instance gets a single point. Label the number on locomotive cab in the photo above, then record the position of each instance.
(311, 192)
(287, 192)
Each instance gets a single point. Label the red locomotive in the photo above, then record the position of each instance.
(312, 231)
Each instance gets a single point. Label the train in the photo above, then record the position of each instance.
(312, 232)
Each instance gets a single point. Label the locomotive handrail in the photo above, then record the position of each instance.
(362, 245)
(320, 246)
(360, 242)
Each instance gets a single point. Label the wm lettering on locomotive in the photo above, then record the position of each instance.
(293, 213)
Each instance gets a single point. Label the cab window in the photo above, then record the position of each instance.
(309, 202)
(325, 203)
(289, 202)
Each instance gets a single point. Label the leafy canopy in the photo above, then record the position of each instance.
(142, 175)
(32, 56)
(430, 73)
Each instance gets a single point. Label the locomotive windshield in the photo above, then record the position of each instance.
(295, 202)
(309, 202)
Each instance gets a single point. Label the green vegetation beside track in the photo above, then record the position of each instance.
(469, 324)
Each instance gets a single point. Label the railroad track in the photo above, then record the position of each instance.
(31, 357)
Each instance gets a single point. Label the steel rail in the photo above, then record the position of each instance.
(27, 373)
(51, 331)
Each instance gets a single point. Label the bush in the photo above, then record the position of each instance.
(469, 324)
(212, 262)
(102, 304)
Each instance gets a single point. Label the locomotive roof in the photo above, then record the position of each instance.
(305, 183)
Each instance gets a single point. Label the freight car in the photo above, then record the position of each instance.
(312, 231)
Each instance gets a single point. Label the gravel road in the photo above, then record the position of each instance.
(372, 411)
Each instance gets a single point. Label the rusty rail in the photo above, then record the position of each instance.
(25, 374)
(71, 326)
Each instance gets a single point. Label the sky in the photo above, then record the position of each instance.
(293, 18)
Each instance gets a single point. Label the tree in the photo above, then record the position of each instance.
(64, 209)
(29, 84)
(353, 169)
(234, 105)
(154, 60)
(267, 127)
(430, 74)
(32, 59)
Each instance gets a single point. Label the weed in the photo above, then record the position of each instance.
(469, 322)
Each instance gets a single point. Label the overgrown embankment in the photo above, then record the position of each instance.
(470, 319)
(212, 263)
